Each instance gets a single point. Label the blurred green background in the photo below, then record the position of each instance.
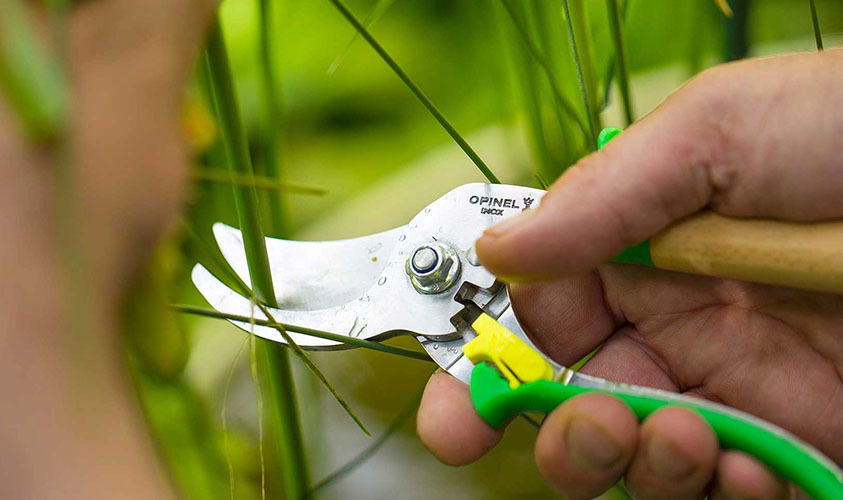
(350, 127)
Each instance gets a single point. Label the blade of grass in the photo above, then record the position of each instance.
(377, 11)
(394, 426)
(313, 368)
(239, 162)
(426, 102)
(616, 28)
(537, 55)
(610, 67)
(737, 31)
(589, 98)
(224, 417)
(292, 458)
(351, 341)
(31, 79)
(256, 181)
(816, 23)
(253, 364)
(276, 213)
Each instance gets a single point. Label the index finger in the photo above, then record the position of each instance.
(742, 139)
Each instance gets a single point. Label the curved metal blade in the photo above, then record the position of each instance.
(348, 287)
(310, 275)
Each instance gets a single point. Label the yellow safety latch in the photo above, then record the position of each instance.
(516, 360)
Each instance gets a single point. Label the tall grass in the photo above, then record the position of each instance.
(291, 450)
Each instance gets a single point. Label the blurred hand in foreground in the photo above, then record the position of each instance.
(71, 426)
(757, 138)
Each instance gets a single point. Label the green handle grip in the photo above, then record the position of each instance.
(788, 456)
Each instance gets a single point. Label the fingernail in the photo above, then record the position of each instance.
(666, 460)
(591, 446)
(509, 223)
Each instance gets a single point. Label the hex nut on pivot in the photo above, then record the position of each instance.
(433, 268)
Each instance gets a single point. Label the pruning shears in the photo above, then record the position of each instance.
(425, 280)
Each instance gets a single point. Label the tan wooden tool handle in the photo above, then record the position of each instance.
(799, 255)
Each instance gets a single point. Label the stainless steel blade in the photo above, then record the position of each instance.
(310, 275)
(323, 296)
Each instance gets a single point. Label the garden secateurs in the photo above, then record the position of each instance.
(425, 280)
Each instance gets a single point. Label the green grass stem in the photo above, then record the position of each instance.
(618, 40)
(577, 30)
(736, 45)
(426, 102)
(291, 450)
(256, 181)
(345, 339)
(816, 23)
(239, 162)
(276, 212)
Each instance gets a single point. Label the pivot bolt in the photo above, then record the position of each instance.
(433, 268)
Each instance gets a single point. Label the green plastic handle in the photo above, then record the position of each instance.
(784, 453)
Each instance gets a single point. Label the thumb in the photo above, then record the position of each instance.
(712, 143)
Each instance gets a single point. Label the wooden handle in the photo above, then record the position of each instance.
(799, 255)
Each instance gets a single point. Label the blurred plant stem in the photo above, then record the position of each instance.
(619, 42)
(292, 458)
(276, 212)
(256, 181)
(577, 22)
(816, 24)
(737, 26)
(426, 102)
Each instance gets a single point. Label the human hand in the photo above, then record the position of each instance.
(756, 138)
(71, 427)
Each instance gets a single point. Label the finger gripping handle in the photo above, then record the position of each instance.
(785, 454)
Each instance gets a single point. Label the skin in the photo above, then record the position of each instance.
(71, 426)
(757, 138)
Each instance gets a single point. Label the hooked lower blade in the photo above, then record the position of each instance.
(226, 300)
